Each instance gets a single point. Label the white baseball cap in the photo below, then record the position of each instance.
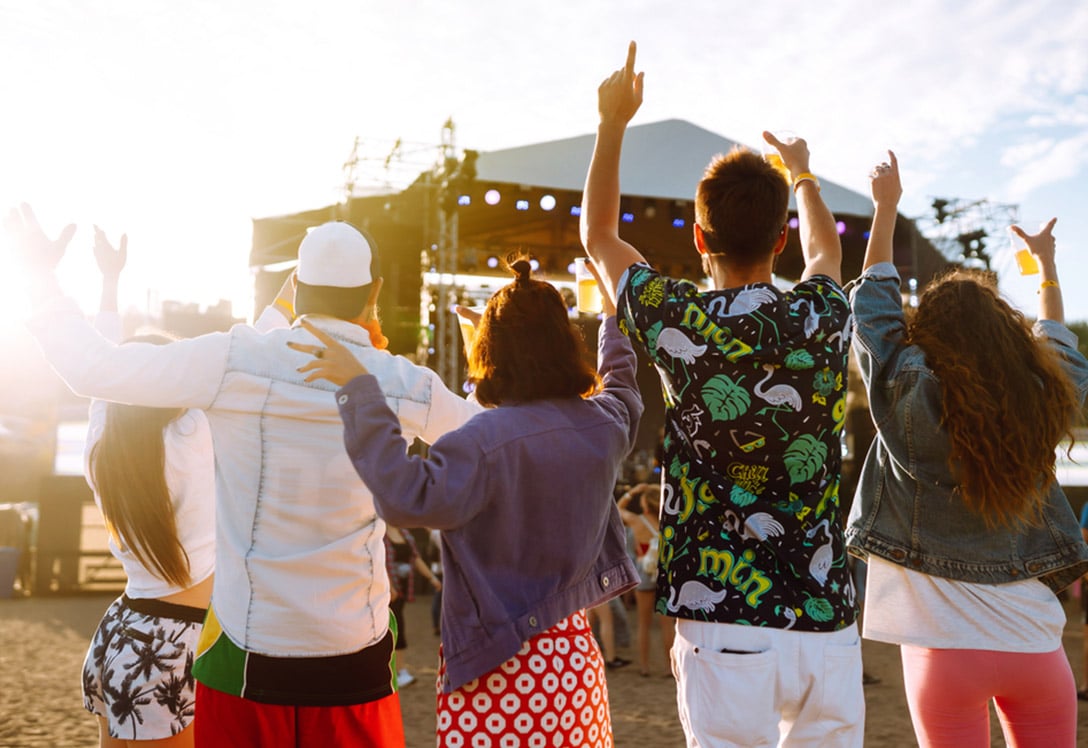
(335, 254)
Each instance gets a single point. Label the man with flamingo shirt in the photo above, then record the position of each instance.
(752, 561)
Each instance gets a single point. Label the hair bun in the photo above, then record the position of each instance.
(522, 268)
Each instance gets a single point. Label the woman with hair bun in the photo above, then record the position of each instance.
(967, 533)
(522, 495)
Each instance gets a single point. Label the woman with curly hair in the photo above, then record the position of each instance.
(967, 533)
(522, 495)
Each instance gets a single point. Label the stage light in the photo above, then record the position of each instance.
(464, 200)
(571, 268)
(492, 262)
(676, 214)
(576, 210)
(795, 222)
(522, 205)
(841, 226)
(492, 197)
(534, 264)
(628, 217)
(547, 202)
(865, 234)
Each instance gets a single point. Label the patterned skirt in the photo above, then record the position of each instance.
(551, 693)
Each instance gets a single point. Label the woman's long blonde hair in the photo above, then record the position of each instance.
(128, 469)
(1006, 403)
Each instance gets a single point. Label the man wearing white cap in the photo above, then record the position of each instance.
(297, 646)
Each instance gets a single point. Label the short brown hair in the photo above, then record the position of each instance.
(526, 347)
(741, 204)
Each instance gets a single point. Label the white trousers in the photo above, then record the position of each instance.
(754, 686)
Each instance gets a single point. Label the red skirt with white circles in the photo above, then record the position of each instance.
(551, 693)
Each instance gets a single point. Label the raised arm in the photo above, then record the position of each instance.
(618, 98)
(1042, 245)
(110, 263)
(820, 245)
(36, 252)
(887, 189)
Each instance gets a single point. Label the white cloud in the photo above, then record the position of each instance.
(1063, 160)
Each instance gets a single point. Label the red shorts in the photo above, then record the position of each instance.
(227, 721)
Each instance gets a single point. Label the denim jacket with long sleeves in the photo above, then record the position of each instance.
(522, 495)
(907, 509)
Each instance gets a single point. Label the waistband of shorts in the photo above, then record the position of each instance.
(150, 606)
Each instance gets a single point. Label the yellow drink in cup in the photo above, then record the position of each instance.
(1026, 262)
(589, 293)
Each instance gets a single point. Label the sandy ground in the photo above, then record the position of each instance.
(43, 641)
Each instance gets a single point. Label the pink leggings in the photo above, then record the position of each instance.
(948, 691)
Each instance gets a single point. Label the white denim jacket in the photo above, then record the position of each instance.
(300, 568)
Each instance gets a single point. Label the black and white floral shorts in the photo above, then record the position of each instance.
(138, 669)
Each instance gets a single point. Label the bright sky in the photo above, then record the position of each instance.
(179, 122)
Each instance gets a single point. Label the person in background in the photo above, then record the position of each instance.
(522, 495)
(645, 526)
(297, 647)
(602, 616)
(152, 472)
(967, 533)
(752, 563)
(402, 561)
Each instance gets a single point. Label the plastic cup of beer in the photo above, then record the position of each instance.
(468, 330)
(589, 293)
(771, 154)
(1025, 260)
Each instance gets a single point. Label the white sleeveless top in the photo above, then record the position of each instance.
(190, 479)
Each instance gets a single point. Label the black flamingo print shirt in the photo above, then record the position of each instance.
(754, 382)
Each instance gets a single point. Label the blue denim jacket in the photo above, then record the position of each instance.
(522, 495)
(905, 509)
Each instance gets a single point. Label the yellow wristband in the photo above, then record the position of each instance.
(805, 177)
(286, 306)
(1048, 284)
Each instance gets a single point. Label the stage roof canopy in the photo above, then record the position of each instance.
(661, 159)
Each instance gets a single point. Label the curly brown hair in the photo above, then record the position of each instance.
(1006, 403)
(526, 347)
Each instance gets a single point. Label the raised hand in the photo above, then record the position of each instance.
(794, 153)
(110, 261)
(885, 184)
(332, 361)
(37, 251)
(1041, 244)
(620, 95)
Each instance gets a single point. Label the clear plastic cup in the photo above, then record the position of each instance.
(1025, 260)
(468, 330)
(589, 293)
(771, 154)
